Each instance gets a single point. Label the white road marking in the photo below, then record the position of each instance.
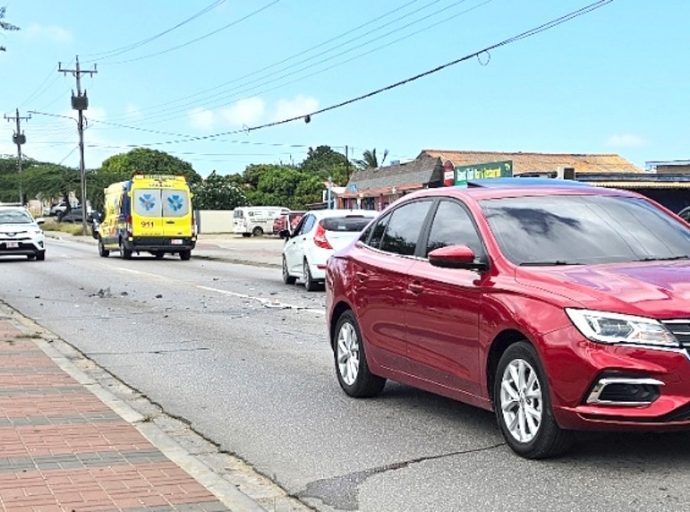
(268, 303)
(139, 272)
(263, 301)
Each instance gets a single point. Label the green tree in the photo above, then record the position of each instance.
(325, 162)
(276, 186)
(5, 25)
(149, 161)
(99, 179)
(281, 185)
(252, 174)
(43, 180)
(370, 160)
(9, 180)
(218, 193)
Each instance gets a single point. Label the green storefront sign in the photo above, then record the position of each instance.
(482, 171)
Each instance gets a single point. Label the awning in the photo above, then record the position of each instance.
(640, 184)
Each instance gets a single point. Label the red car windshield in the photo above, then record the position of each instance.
(587, 229)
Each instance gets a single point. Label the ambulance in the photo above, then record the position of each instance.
(148, 214)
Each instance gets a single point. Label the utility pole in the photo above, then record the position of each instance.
(80, 102)
(347, 172)
(19, 139)
(347, 163)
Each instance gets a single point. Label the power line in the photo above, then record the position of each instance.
(524, 35)
(307, 117)
(159, 132)
(243, 89)
(69, 154)
(52, 102)
(189, 153)
(36, 94)
(225, 27)
(33, 94)
(124, 49)
(303, 52)
(253, 89)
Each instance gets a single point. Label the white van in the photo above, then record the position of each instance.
(256, 220)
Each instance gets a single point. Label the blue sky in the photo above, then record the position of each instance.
(613, 81)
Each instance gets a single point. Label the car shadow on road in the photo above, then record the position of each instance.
(430, 404)
(591, 448)
(611, 447)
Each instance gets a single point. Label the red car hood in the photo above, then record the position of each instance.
(658, 289)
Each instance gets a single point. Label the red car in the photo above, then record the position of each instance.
(560, 307)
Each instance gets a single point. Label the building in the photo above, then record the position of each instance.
(376, 188)
(669, 167)
(669, 190)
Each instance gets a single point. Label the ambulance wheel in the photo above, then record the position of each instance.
(125, 254)
(102, 251)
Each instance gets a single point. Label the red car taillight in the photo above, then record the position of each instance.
(129, 225)
(320, 238)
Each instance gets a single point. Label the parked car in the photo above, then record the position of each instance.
(286, 221)
(75, 215)
(315, 237)
(20, 233)
(61, 208)
(560, 308)
(255, 220)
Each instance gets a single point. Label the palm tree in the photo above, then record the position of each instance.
(370, 160)
(5, 26)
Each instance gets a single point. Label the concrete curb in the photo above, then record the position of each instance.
(225, 491)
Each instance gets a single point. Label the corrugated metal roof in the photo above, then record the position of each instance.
(420, 170)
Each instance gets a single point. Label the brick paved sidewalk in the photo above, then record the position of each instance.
(63, 449)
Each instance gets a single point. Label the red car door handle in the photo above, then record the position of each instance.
(361, 276)
(415, 288)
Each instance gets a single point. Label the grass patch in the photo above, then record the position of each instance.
(64, 227)
(33, 336)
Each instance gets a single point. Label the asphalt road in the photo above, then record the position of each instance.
(245, 359)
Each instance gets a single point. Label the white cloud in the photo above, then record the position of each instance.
(202, 118)
(250, 112)
(298, 106)
(625, 140)
(244, 112)
(52, 33)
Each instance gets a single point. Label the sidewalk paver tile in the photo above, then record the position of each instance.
(63, 449)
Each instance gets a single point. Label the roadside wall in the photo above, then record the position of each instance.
(215, 221)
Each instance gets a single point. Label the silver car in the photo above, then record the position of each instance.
(20, 234)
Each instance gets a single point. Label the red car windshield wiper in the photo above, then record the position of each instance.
(670, 258)
(547, 263)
